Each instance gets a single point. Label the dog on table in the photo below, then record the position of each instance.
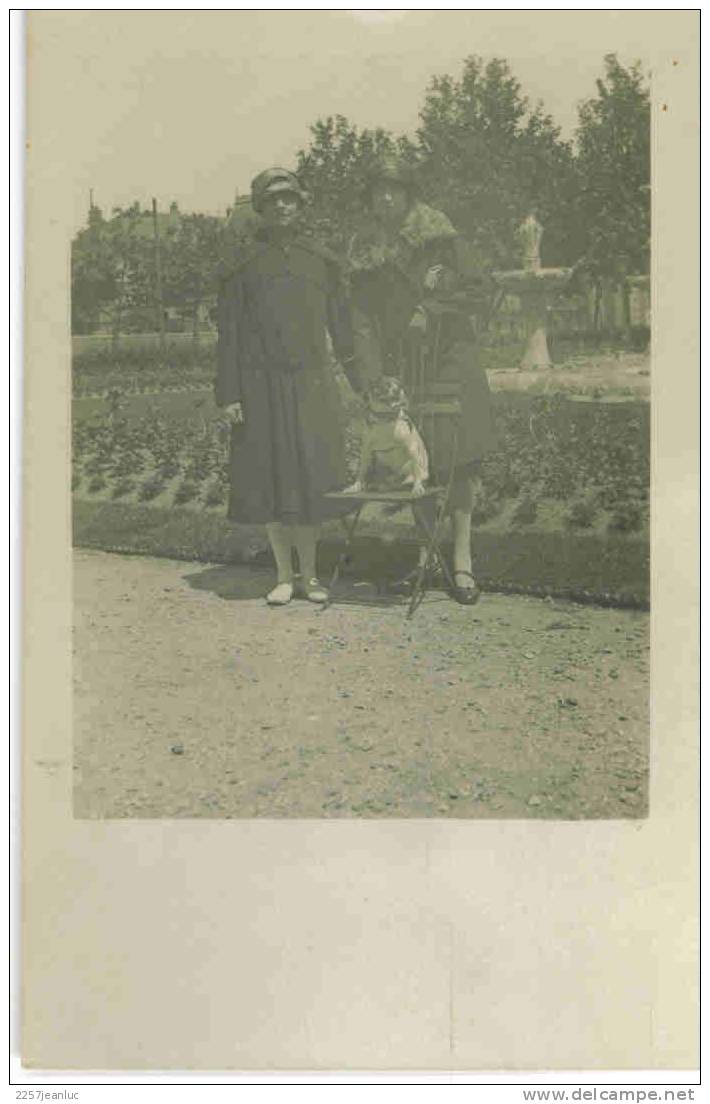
(393, 455)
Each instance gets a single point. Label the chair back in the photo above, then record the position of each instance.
(433, 406)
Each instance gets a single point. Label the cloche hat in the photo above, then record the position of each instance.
(274, 180)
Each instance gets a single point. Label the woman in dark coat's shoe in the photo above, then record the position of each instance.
(411, 314)
(281, 307)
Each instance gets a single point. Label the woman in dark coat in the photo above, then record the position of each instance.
(281, 309)
(411, 317)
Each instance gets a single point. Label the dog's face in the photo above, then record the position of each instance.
(387, 396)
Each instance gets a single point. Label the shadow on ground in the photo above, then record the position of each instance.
(240, 583)
(233, 583)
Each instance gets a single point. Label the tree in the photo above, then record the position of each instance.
(334, 170)
(191, 249)
(112, 266)
(92, 275)
(613, 160)
(129, 244)
(488, 159)
(480, 153)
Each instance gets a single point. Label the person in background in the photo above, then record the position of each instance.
(411, 319)
(281, 309)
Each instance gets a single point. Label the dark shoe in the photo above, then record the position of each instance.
(313, 590)
(403, 586)
(466, 595)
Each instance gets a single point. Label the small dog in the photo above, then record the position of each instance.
(393, 454)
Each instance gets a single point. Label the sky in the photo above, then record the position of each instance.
(189, 105)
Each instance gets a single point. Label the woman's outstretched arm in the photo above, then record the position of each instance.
(228, 382)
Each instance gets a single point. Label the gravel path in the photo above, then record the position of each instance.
(194, 699)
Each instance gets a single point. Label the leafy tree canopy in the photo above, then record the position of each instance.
(482, 153)
(614, 171)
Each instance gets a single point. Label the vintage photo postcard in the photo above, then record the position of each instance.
(360, 509)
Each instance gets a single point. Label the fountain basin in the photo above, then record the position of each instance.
(536, 289)
(523, 281)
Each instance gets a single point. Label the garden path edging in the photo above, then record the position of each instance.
(604, 569)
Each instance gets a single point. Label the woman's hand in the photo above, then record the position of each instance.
(418, 323)
(433, 277)
(233, 414)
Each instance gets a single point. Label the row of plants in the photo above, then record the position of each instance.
(141, 369)
(99, 369)
(115, 457)
(597, 463)
(141, 353)
(596, 466)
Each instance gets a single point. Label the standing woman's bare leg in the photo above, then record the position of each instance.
(462, 540)
(281, 540)
(466, 590)
(305, 538)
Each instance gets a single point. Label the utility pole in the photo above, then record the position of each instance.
(158, 279)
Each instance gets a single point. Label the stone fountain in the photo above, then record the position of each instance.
(537, 288)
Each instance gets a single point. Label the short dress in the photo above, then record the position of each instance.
(440, 367)
(276, 308)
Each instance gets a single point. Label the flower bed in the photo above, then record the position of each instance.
(562, 507)
(592, 459)
(580, 466)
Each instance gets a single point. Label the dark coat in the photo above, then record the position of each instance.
(387, 281)
(274, 308)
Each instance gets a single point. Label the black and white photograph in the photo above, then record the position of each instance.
(359, 521)
(360, 435)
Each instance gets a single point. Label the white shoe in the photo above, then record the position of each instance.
(281, 595)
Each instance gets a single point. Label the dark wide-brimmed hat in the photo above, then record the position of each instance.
(389, 169)
(272, 181)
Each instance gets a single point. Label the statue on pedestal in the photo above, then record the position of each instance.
(537, 288)
(530, 235)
